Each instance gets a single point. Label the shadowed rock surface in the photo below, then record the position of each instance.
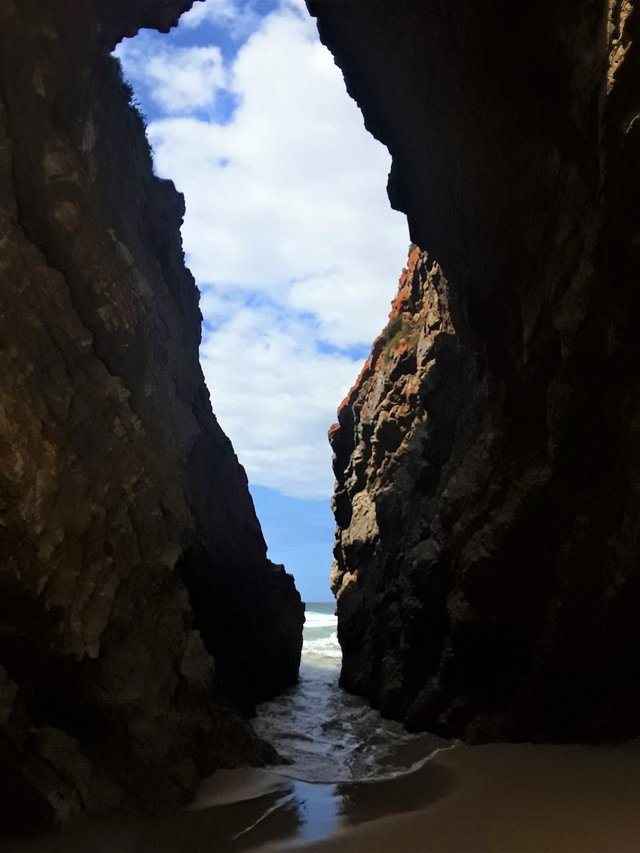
(136, 599)
(487, 460)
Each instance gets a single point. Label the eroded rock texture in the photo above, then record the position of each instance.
(135, 594)
(488, 460)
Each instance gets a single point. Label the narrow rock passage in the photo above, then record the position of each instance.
(327, 734)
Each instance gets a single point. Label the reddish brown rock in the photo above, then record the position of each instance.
(488, 480)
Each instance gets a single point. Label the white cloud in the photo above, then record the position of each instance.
(216, 10)
(289, 230)
(239, 17)
(275, 395)
(180, 80)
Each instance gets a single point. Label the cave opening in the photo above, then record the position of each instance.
(488, 584)
(296, 251)
(289, 235)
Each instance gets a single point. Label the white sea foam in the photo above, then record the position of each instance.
(320, 620)
(324, 647)
(321, 647)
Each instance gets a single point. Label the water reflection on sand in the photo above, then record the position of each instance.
(355, 782)
(501, 798)
(271, 810)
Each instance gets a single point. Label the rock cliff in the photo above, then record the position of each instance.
(136, 599)
(487, 460)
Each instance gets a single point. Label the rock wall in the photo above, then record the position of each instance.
(135, 594)
(487, 460)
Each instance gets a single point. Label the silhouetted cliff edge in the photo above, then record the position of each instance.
(488, 460)
(136, 599)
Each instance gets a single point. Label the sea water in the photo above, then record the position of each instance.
(324, 733)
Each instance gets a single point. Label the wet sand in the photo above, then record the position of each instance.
(488, 799)
(515, 799)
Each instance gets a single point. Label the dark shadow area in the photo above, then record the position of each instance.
(300, 812)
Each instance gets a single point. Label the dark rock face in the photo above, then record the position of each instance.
(135, 593)
(487, 461)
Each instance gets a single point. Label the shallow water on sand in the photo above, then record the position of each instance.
(355, 782)
(343, 765)
(326, 734)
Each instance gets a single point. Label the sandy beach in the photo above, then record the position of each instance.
(513, 799)
(356, 782)
(487, 799)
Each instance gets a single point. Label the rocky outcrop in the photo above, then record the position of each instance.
(136, 599)
(488, 474)
(394, 429)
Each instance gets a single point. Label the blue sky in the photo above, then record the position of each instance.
(289, 235)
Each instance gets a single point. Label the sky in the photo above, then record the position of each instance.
(289, 235)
